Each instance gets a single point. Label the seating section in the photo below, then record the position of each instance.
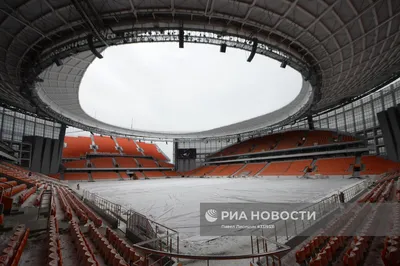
(102, 162)
(171, 173)
(105, 144)
(290, 140)
(75, 164)
(76, 147)
(15, 246)
(85, 253)
(251, 169)
(204, 170)
(105, 175)
(164, 164)
(126, 162)
(129, 147)
(124, 249)
(26, 194)
(343, 249)
(315, 138)
(226, 170)
(107, 251)
(65, 206)
(139, 175)
(147, 163)
(275, 168)
(80, 209)
(372, 165)
(283, 141)
(334, 166)
(18, 173)
(54, 246)
(151, 174)
(123, 175)
(152, 150)
(110, 156)
(323, 166)
(76, 176)
(298, 167)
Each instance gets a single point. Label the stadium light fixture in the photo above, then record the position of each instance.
(58, 61)
(223, 48)
(181, 41)
(283, 64)
(253, 49)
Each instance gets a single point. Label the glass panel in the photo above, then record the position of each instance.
(8, 124)
(18, 129)
(29, 128)
(39, 130)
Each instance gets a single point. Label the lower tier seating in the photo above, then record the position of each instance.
(372, 165)
(154, 174)
(76, 176)
(85, 252)
(275, 168)
(15, 246)
(105, 175)
(204, 170)
(334, 166)
(299, 167)
(251, 169)
(225, 170)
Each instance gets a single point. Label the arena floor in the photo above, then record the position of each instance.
(175, 202)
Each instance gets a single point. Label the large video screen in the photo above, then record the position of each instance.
(186, 153)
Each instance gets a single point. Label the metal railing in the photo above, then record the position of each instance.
(285, 230)
(260, 253)
(103, 204)
(152, 233)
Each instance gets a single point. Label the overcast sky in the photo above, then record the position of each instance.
(157, 86)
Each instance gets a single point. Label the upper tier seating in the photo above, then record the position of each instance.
(105, 144)
(164, 164)
(284, 141)
(102, 163)
(152, 150)
(290, 140)
(315, 138)
(79, 146)
(76, 147)
(251, 169)
(129, 147)
(334, 166)
(372, 165)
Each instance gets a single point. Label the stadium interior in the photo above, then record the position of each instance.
(343, 129)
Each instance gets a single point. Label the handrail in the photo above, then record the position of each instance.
(283, 248)
(155, 239)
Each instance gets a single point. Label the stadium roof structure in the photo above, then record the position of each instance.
(343, 48)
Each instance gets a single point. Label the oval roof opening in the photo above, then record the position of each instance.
(159, 87)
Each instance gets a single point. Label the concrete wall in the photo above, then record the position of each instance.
(46, 153)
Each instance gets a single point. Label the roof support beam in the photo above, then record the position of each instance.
(82, 12)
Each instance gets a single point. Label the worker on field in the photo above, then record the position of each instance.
(77, 186)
